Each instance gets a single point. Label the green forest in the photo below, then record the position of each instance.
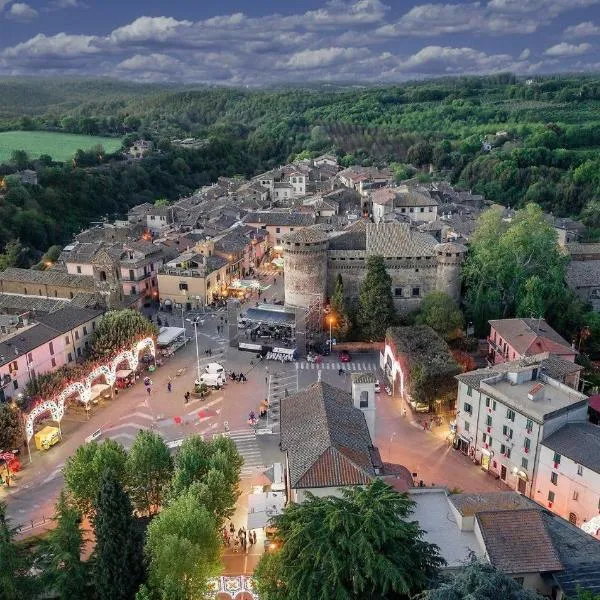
(542, 139)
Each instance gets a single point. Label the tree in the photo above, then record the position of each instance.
(479, 581)
(376, 307)
(148, 469)
(13, 255)
(20, 159)
(214, 468)
(65, 573)
(118, 555)
(183, 548)
(441, 313)
(14, 584)
(420, 154)
(161, 202)
(339, 314)
(11, 429)
(514, 268)
(84, 470)
(118, 329)
(362, 545)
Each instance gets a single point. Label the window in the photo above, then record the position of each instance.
(554, 478)
(502, 448)
(579, 470)
(398, 292)
(468, 408)
(67, 341)
(529, 425)
(556, 458)
(15, 384)
(510, 414)
(488, 402)
(183, 286)
(422, 209)
(51, 347)
(70, 357)
(527, 445)
(78, 351)
(53, 362)
(415, 292)
(573, 518)
(102, 275)
(507, 452)
(277, 229)
(469, 391)
(550, 496)
(30, 358)
(133, 290)
(524, 463)
(78, 269)
(76, 334)
(467, 425)
(575, 495)
(507, 431)
(489, 421)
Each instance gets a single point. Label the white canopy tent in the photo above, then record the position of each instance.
(168, 335)
(264, 506)
(98, 389)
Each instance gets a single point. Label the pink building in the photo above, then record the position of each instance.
(511, 339)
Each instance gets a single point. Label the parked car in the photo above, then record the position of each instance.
(377, 387)
(345, 356)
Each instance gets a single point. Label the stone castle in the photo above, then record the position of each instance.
(416, 262)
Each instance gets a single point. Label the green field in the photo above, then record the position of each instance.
(60, 146)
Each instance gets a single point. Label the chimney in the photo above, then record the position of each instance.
(536, 393)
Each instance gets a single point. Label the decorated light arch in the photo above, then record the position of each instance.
(236, 586)
(56, 406)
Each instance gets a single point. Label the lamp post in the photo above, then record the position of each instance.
(330, 338)
(195, 324)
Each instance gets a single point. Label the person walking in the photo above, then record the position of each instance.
(186, 397)
(169, 386)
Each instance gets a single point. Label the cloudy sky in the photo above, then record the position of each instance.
(259, 42)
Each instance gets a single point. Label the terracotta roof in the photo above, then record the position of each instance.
(306, 235)
(280, 219)
(518, 542)
(578, 441)
(531, 336)
(326, 438)
(452, 247)
(471, 504)
(50, 277)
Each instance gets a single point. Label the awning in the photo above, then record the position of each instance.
(123, 373)
(263, 507)
(272, 315)
(97, 389)
(168, 335)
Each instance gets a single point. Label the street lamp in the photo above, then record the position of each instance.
(330, 339)
(195, 324)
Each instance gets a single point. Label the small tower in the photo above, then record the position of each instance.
(450, 257)
(107, 278)
(363, 397)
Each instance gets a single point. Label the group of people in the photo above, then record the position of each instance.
(242, 540)
(238, 377)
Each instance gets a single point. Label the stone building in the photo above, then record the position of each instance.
(415, 261)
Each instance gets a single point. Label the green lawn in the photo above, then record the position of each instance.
(60, 146)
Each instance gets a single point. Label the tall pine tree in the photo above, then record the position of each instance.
(118, 557)
(339, 314)
(376, 306)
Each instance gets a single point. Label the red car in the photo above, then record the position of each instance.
(345, 356)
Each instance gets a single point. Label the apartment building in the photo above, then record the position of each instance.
(568, 475)
(56, 339)
(505, 412)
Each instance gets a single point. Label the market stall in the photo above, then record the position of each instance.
(268, 325)
(100, 390)
(170, 339)
(124, 378)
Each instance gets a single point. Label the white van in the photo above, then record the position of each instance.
(215, 380)
(215, 369)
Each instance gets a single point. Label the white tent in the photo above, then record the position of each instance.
(264, 506)
(97, 389)
(168, 335)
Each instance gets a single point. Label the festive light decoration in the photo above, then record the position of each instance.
(592, 526)
(56, 406)
(232, 586)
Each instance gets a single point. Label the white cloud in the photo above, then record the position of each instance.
(149, 62)
(525, 54)
(551, 7)
(61, 45)
(20, 11)
(144, 29)
(564, 49)
(584, 29)
(440, 59)
(324, 57)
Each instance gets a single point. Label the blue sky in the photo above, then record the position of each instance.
(263, 42)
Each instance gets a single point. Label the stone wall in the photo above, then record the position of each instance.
(305, 268)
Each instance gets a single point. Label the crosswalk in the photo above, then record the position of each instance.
(247, 446)
(336, 366)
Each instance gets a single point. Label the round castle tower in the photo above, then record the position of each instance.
(450, 257)
(305, 266)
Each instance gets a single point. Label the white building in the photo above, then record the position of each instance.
(504, 413)
(401, 201)
(568, 476)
